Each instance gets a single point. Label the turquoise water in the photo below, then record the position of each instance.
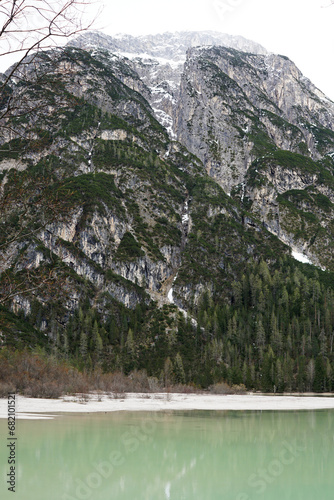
(173, 456)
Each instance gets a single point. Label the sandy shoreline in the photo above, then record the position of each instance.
(46, 408)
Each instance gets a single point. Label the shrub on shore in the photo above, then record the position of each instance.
(39, 375)
(36, 374)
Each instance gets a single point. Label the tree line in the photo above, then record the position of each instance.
(275, 333)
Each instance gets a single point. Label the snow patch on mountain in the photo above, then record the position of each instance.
(144, 57)
(166, 121)
(301, 257)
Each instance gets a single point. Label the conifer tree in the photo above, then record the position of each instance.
(179, 375)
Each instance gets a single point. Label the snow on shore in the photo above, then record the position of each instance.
(44, 408)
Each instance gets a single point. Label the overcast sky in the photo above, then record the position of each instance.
(303, 30)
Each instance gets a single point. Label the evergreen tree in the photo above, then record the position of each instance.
(179, 375)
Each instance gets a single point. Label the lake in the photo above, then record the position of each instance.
(179, 455)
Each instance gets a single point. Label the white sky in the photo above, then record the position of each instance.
(303, 30)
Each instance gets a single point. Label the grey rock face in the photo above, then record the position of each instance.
(228, 100)
(205, 122)
(215, 93)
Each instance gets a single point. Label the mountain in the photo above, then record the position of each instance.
(235, 107)
(157, 194)
(159, 60)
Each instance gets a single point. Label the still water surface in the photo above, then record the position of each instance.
(174, 456)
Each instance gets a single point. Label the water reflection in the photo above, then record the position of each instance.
(176, 456)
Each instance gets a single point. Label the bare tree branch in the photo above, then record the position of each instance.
(28, 205)
(28, 27)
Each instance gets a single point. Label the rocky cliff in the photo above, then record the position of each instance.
(235, 106)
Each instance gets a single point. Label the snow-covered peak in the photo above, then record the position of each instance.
(168, 46)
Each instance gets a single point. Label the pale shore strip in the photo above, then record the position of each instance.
(49, 408)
